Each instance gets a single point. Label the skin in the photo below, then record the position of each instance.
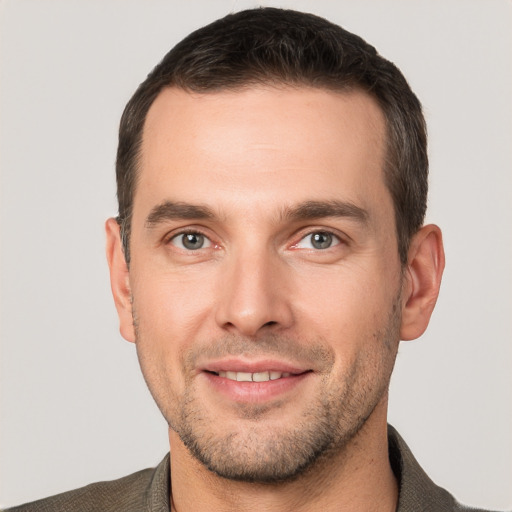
(257, 173)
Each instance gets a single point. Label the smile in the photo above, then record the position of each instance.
(256, 386)
(253, 377)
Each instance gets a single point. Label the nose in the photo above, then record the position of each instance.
(253, 295)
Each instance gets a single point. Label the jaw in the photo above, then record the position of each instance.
(353, 475)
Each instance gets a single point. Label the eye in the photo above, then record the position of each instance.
(191, 241)
(318, 240)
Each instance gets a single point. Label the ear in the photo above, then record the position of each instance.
(422, 281)
(119, 279)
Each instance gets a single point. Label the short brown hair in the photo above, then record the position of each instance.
(276, 46)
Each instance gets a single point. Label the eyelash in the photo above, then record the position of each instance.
(185, 232)
(333, 238)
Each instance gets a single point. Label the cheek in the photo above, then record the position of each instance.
(168, 314)
(346, 298)
(172, 306)
(355, 312)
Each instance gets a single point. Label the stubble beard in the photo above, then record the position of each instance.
(268, 455)
(254, 454)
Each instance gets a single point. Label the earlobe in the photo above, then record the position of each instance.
(422, 281)
(119, 279)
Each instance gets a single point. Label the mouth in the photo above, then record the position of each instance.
(264, 376)
(254, 383)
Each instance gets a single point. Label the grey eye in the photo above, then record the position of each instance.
(321, 240)
(191, 241)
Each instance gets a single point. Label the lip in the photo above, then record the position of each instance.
(240, 365)
(254, 392)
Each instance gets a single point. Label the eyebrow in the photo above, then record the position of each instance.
(170, 210)
(307, 210)
(310, 210)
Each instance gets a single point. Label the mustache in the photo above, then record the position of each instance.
(312, 354)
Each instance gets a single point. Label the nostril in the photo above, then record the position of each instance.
(270, 324)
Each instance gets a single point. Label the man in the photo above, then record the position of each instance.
(268, 256)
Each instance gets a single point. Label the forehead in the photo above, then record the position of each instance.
(271, 144)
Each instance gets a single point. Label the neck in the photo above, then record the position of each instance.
(357, 478)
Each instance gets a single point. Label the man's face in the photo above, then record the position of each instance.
(265, 274)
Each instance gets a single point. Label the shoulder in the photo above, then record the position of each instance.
(130, 493)
(416, 490)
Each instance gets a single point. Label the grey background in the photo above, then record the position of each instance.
(74, 408)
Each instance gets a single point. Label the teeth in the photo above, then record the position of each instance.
(260, 377)
(254, 377)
